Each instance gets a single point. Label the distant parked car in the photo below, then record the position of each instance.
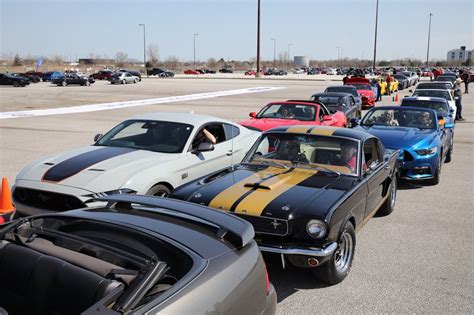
(37, 73)
(403, 81)
(365, 90)
(226, 70)
(48, 76)
(446, 78)
(343, 102)
(347, 89)
(331, 71)
(206, 71)
(275, 71)
(102, 75)
(16, 81)
(312, 71)
(190, 71)
(133, 72)
(71, 79)
(298, 71)
(123, 78)
(162, 73)
(31, 77)
(412, 77)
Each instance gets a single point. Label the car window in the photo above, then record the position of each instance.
(158, 136)
(288, 111)
(231, 131)
(371, 153)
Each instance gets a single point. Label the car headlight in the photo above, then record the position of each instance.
(428, 151)
(120, 191)
(316, 228)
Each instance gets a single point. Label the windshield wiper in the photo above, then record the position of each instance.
(318, 167)
(274, 163)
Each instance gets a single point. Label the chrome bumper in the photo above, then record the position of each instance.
(307, 251)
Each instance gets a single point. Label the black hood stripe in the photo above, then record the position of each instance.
(82, 161)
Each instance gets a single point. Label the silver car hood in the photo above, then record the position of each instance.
(93, 168)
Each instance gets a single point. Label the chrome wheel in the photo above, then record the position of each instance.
(343, 253)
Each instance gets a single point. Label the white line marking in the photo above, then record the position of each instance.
(116, 105)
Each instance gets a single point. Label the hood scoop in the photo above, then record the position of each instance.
(268, 185)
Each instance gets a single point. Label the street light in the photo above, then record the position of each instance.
(375, 41)
(338, 54)
(429, 35)
(274, 51)
(195, 34)
(289, 59)
(257, 74)
(144, 48)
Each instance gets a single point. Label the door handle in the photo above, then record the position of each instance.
(386, 167)
(230, 152)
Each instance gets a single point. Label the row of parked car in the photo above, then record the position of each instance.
(291, 171)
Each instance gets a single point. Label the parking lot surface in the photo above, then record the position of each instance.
(418, 259)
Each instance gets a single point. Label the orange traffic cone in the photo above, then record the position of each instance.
(396, 97)
(6, 205)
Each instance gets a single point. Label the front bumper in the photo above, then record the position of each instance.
(322, 252)
(420, 168)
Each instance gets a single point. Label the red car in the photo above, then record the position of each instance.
(189, 71)
(365, 90)
(102, 75)
(293, 112)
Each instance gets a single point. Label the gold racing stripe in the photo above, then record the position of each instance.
(254, 203)
(322, 132)
(300, 129)
(226, 198)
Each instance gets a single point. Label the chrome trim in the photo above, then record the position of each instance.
(309, 251)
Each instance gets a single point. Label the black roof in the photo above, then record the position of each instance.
(337, 94)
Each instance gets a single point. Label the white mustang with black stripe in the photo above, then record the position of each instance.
(147, 154)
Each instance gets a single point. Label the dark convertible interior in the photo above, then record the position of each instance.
(65, 266)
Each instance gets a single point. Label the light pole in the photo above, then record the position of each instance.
(289, 58)
(375, 41)
(274, 51)
(429, 35)
(257, 74)
(195, 34)
(144, 48)
(338, 54)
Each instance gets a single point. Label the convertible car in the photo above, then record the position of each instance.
(424, 138)
(147, 154)
(136, 255)
(365, 90)
(342, 102)
(294, 112)
(306, 190)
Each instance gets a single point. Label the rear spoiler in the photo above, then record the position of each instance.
(231, 228)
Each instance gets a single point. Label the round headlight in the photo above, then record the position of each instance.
(316, 228)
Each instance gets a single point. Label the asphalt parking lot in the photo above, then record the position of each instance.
(418, 259)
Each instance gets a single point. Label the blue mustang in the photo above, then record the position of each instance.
(424, 138)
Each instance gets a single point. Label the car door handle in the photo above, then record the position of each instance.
(386, 167)
(230, 152)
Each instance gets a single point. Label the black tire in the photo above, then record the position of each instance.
(64, 83)
(337, 268)
(389, 204)
(87, 83)
(159, 191)
(449, 155)
(16, 83)
(437, 175)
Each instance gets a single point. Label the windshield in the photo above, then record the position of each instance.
(433, 93)
(343, 89)
(446, 79)
(400, 77)
(434, 86)
(439, 107)
(402, 117)
(327, 154)
(329, 100)
(157, 136)
(289, 111)
(364, 87)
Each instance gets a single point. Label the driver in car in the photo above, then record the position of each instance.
(285, 113)
(423, 120)
(203, 136)
(385, 118)
(349, 155)
(290, 151)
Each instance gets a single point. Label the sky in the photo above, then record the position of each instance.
(227, 28)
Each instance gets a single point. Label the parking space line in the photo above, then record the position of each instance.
(117, 105)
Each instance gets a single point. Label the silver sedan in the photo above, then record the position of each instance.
(123, 78)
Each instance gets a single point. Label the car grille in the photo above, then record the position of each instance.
(46, 200)
(265, 225)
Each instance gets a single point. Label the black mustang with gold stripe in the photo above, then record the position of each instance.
(306, 190)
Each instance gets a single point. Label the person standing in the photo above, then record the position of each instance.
(466, 78)
(388, 79)
(458, 99)
(436, 73)
(344, 80)
(379, 90)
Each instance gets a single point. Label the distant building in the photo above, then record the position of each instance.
(94, 61)
(460, 55)
(301, 61)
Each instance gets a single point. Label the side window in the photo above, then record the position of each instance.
(371, 152)
(231, 131)
(217, 130)
(352, 102)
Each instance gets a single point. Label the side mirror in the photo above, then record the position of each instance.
(355, 122)
(327, 118)
(97, 137)
(411, 91)
(204, 147)
(373, 165)
(449, 125)
(253, 114)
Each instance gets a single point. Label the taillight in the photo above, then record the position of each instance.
(267, 278)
